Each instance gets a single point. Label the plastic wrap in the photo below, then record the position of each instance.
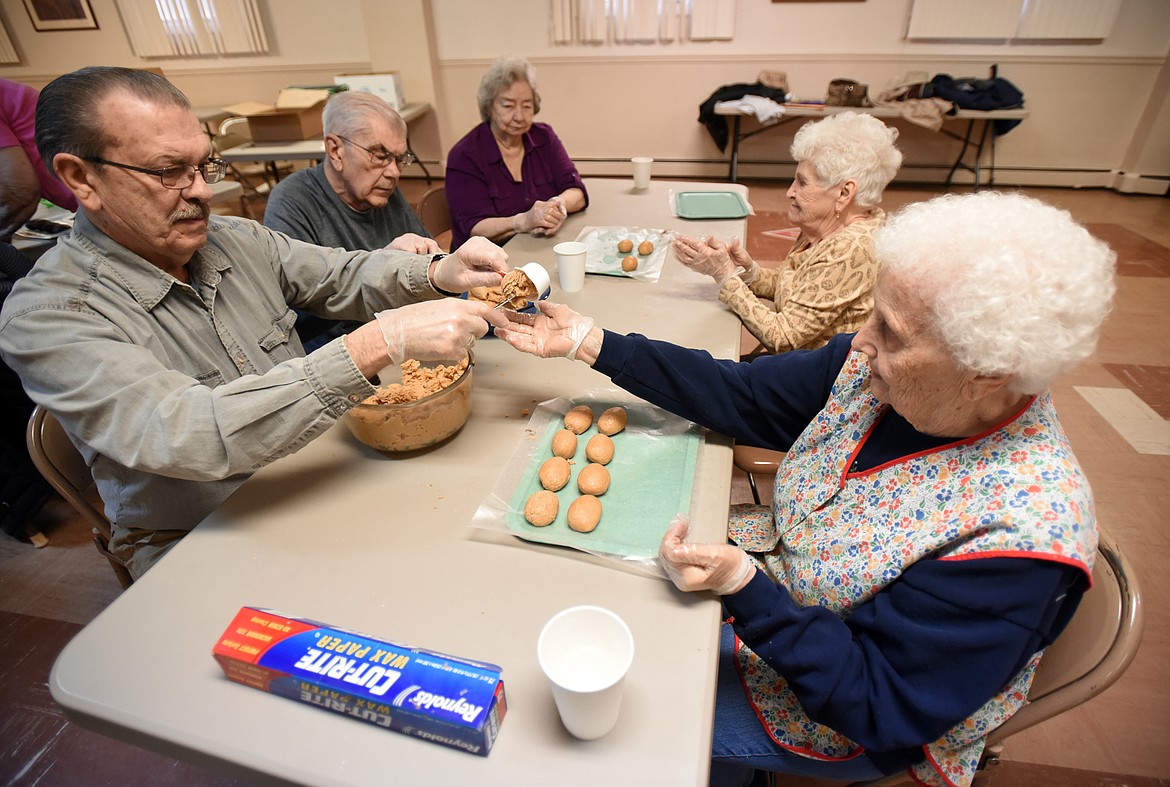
(602, 256)
(652, 474)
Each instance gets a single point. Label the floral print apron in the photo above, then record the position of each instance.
(835, 538)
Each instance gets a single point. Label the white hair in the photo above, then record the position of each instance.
(348, 112)
(504, 72)
(1015, 286)
(850, 146)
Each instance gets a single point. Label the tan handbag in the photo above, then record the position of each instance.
(847, 93)
(777, 80)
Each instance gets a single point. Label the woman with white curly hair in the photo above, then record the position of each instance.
(932, 531)
(825, 285)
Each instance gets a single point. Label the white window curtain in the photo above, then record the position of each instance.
(712, 20)
(641, 21)
(1013, 20)
(561, 21)
(193, 28)
(1083, 19)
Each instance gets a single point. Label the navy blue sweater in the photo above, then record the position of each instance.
(922, 654)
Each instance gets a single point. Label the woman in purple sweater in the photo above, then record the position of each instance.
(509, 174)
(931, 531)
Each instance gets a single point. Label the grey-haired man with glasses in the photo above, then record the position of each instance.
(162, 338)
(351, 199)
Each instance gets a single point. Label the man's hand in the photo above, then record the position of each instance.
(439, 330)
(415, 244)
(477, 263)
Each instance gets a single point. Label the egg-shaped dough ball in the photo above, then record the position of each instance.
(541, 508)
(593, 479)
(630, 264)
(625, 246)
(599, 449)
(554, 473)
(564, 444)
(613, 421)
(579, 419)
(584, 514)
(645, 247)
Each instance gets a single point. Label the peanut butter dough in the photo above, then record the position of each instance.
(599, 449)
(613, 421)
(584, 513)
(418, 381)
(564, 444)
(518, 289)
(579, 419)
(593, 479)
(554, 473)
(541, 508)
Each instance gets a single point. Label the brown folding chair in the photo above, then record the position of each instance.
(1089, 656)
(436, 215)
(63, 467)
(762, 462)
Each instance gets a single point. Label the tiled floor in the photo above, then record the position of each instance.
(1115, 408)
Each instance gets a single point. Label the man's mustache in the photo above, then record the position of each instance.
(197, 210)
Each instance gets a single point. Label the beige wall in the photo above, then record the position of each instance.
(1100, 113)
(397, 40)
(1096, 109)
(307, 43)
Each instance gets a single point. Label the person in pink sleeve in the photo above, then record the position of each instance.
(24, 178)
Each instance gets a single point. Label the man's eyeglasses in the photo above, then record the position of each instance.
(213, 171)
(381, 156)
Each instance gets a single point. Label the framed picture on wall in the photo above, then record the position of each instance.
(60, 15)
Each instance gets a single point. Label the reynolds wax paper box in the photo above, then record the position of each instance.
(430, 695)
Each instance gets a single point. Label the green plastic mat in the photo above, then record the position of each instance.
(651, 478)
(710, 205)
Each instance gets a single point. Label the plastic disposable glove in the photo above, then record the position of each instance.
(723, 568)
(439, 330)
(712, 257)
(543, 218)
(477, 263)
(748, 268)
(416, 244)
(557, 332)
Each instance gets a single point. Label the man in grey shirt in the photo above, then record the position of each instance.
(162, 337)
(351, 199)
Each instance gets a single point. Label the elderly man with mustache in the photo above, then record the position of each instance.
(162, 337)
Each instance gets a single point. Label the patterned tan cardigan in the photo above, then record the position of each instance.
(816, 293)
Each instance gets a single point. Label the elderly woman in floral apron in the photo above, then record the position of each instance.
(932, 531)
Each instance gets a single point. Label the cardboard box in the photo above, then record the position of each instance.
(387, 87)
(440, 698)
(295, 115)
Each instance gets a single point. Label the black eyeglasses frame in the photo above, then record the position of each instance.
(383, 157)
(215, 175)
